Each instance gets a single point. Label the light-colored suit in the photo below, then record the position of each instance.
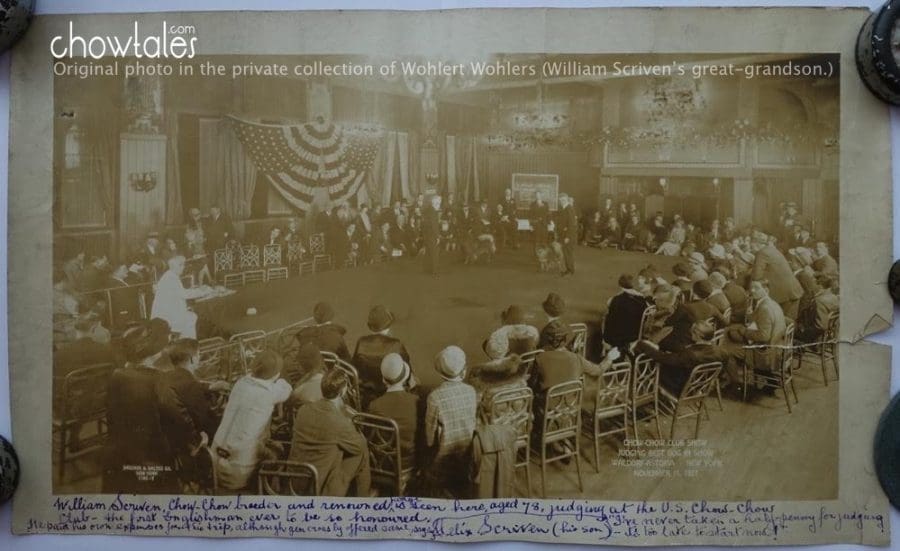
(770, 329)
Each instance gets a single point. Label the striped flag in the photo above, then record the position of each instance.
(297, 160)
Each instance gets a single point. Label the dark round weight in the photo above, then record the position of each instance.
(15, 16)
(876, 59)
(894, 282)
(9, 470)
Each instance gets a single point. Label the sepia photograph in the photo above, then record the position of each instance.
(540, 275)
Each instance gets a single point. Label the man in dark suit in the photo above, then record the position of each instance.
(510, 210)
(325, 334)
(676, 367)
(399, 404)
(624, 313)
(770, 265)
(217, 229)
(371, 350)
(431, 233)
(186, 412)
(682, 320)
(568, 232)
(325, 437)
(765, 329)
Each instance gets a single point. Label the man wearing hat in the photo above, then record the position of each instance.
(240, 442)
(137, 443)
(399, 404)
(682, 277)
(717, 297)
(325, 437)
(450, 423)
(554, 306)
(686, 315)
(770, 265)
(325, 334)
(371, 350)
(697, 267)
(824, 263)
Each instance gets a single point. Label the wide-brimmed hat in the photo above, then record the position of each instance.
(323, 312)
(554, 305)
(702, 288)
(450, 362)
(379, 318)
(513, 315)
(394, 369)
(146, 339)
(696, 258)
(496, 346)
(556, 333)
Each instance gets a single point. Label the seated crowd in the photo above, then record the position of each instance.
(730, 300)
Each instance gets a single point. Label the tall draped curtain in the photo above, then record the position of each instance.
(451, 165)
(403, 158)
(398, 153)
(101, 139)
(388, 174)
(415, 174)
(227, 175)
(174, 208)
(464, 168)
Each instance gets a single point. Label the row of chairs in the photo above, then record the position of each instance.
(238, 265)
(386, 466)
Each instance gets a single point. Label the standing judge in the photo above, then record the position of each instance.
(568, 232)
(431, 232)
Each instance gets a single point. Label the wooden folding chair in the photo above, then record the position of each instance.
(81, 399)
(319, 252)
(272, 255)
(781, 376)
(287, 478)
(333, 362)
(609, 402)
(560, 428)
(249, 257)
(514, 407)
(385, 458)
(644, 393)
(692, 400)
(825, 348)
(579, 338)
